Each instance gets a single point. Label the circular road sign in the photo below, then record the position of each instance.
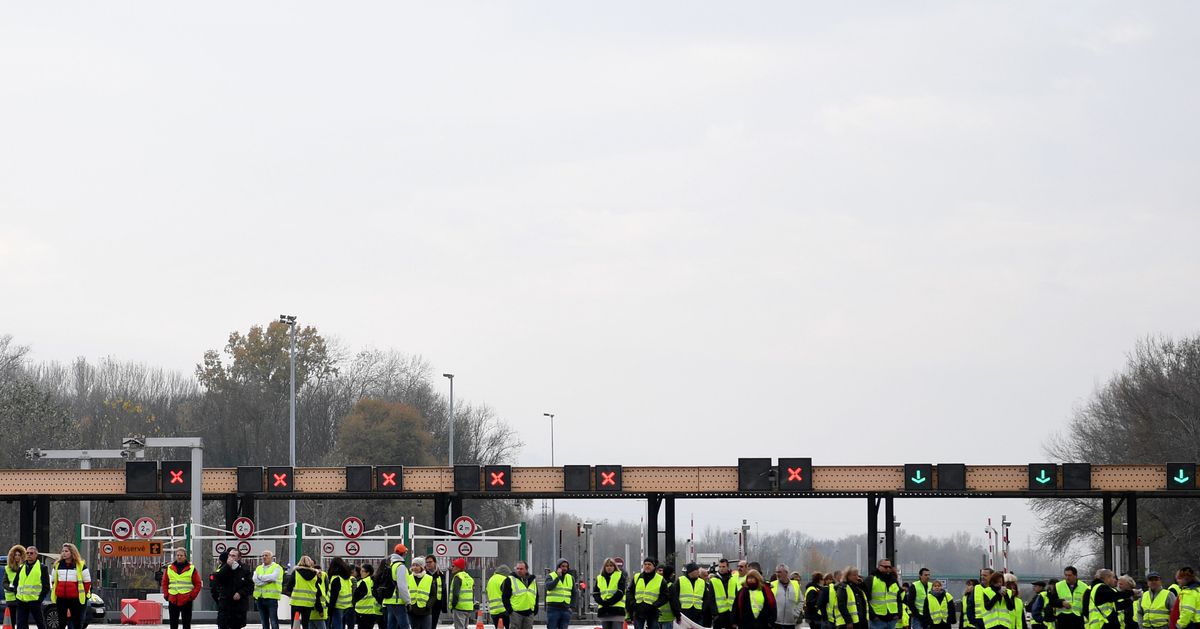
(122, 528)
(243, 527)
(145, 528)
(465, 549)
(244, 548)
(352, 527)
(464, 526)
(107, 549)
(620, 561)
(440, 549)
(220, 547)
(352, 548)
(327, 548)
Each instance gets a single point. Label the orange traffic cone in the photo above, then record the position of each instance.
(479, 619)
(499, 623)
(7, 619)
(296, 624)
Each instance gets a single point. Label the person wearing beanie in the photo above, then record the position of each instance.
(462, 593)
(395, 604)
(495, 596)
(693, 598)
(647, 592)
(560, 595)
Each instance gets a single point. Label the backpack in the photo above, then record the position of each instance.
(384, 584)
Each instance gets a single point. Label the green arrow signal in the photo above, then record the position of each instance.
(1043, 478)
(918, 477)
(1180, 478)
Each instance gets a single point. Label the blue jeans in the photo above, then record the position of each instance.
(349, 619)
(268, 612)
(397, 617)
(558, 618)
(915, 622)
(642, 623)
(882, 624)
(420, 622)
(335, 618)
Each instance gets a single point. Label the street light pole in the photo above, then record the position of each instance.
(553, 506)
(290, 321)
(450, 376)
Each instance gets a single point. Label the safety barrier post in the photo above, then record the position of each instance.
(524, 548)
(299, 542)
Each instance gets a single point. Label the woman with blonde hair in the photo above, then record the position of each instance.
(70, 586)
(16, 557)
(304, 587)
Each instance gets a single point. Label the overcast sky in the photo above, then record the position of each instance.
(866, 233)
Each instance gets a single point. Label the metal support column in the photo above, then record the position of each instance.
(1106, 530)
(456, 507)
(231, 511)
(872, 532)
(441, 510)
(653, 502)
(669, 529)
(41, 526)
(889, 535)
(1131, 536)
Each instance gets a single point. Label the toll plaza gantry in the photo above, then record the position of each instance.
(1113, 485)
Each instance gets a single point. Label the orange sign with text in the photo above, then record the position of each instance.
(131, 548)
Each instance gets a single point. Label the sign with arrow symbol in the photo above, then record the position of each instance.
(1043, 476)
(1181, 475)
(918, 476)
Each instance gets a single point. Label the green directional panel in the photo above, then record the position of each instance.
(1043, 476)
(918, 476)
(1181, 475)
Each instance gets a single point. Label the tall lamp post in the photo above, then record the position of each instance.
(553, 506)
(290, 321)
(450, 377)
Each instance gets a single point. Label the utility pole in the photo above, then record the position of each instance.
(290, 321)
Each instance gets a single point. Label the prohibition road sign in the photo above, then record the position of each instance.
(243, 548)
(145, 528)
(620, 561)
(220, 547)
(465, 549)
(440, 550)
(243, 527)
(352, 548)
(122, 528)
(107, 549)
(464, 526)
(352, 527)
(327, 548)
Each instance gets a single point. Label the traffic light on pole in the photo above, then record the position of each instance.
(176, 477)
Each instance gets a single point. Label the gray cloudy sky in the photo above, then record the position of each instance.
(869, 232)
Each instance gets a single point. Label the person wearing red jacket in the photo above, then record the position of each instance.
(181, 586)
(70, 585)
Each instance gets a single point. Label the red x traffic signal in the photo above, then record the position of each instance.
(608, 478)
(497, 478)
(280, 479)
(176, 477)
(389, 478)
(795, 474)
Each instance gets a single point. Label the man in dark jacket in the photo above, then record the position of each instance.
(522, 614)
(439, 588)
(723, 586)
(232, 587)
(644, 609)
(32, 586)
(884, 596)
(692, 597)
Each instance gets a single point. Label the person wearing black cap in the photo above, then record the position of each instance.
(1156, 604)
(1037, 605)
(647, 592)
(693, 598)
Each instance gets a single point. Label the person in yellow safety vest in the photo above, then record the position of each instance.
(743, 568)
(1039, 609)
(439, 588)
(997, 605)
(341, 593)
(812, 593)
(268, 587)
(609, 594)
(520, 597)
(1105, 601)
(724, 588)
(421, 597)
(669, 611)
(16, 557)
(647, 592)
(304, 589)
(70, 585)
(395, 602)
(1067, 598)
(462, 594)
(1018, 605)
(560, 595)
(180, 586)
(1154, 608)
(915, 599)
(32, 586)
(320, 614)
(852, 600)
(937, 609)
(1189, 598)
(789, 605)
(367, 609)
(693, 598)
(967, 604)
(495, 596)
(974, 613)
(883, 588)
